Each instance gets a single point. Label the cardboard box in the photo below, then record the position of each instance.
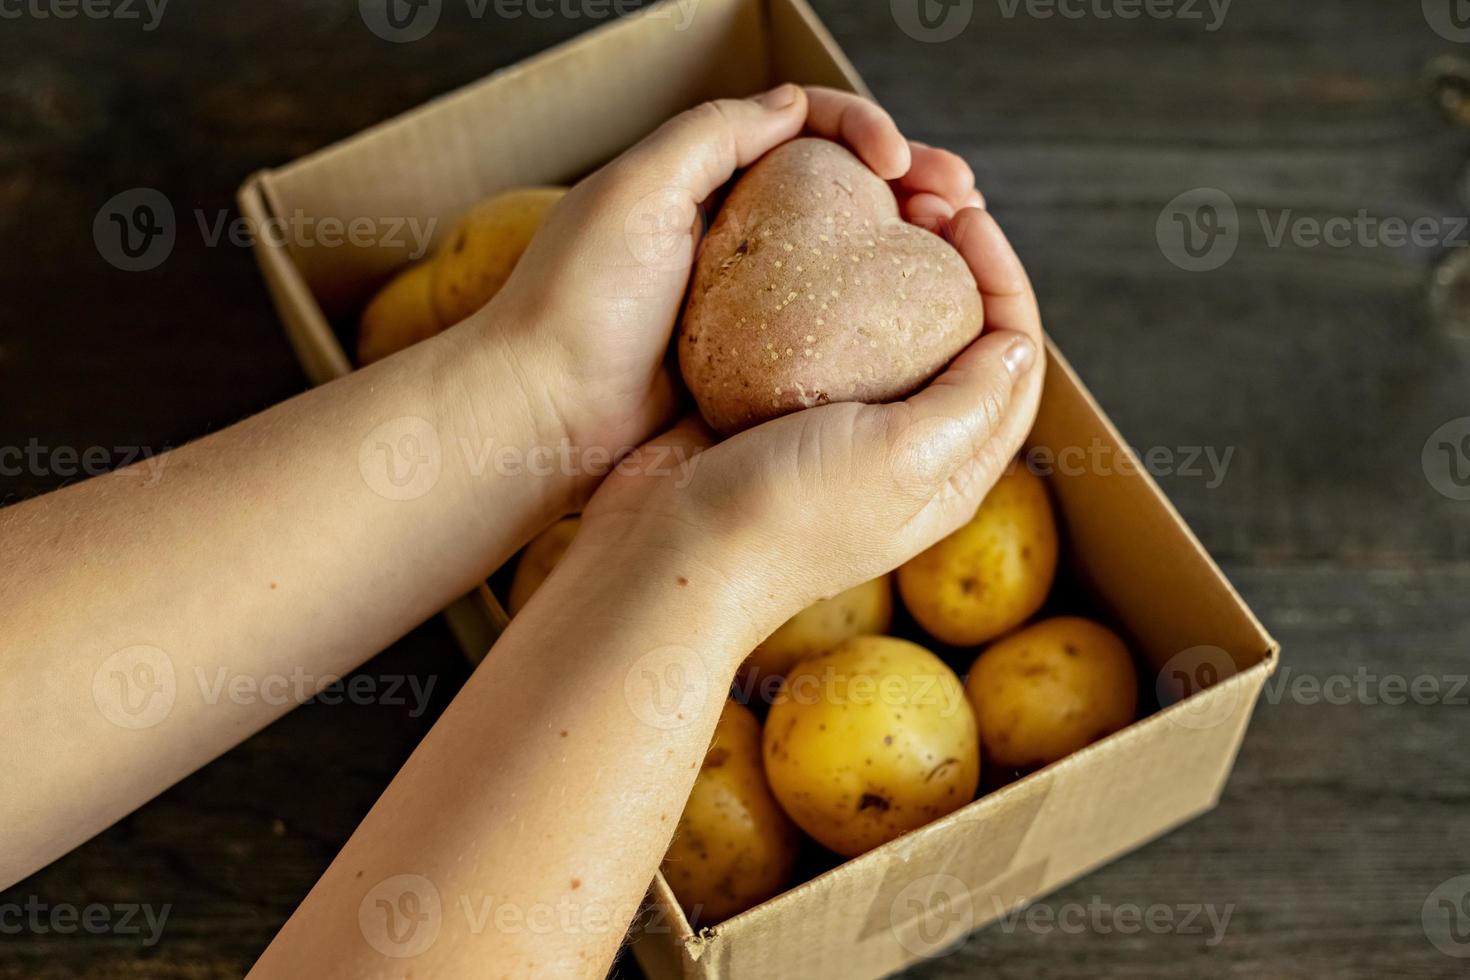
(559, 115)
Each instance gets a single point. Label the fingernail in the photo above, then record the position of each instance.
(1019, 357)
(779, 97)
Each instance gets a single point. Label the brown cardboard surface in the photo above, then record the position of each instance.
(1129, 541)
(560, 114)
(544, 121)
(802, 50)
(917, 895)
(926, 890)
(321, 356)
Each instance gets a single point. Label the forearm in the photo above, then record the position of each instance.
(537, 810)
(273, 551)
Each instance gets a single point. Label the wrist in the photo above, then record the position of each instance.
(734, 548)
(676, 571)
(495, 396)
(588, 413)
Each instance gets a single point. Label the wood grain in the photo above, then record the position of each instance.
(1318, 369)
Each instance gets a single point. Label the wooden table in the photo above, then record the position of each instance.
(1318, 368)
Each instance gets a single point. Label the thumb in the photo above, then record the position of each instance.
(660, 183)
(963, 415)
(697, 151)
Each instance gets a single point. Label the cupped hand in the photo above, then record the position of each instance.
(820, 500)
(591, 307)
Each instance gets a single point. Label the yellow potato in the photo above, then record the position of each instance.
(1049, 690)
(864, 609)
(478, 256)
(734, 848)
(400, 315)
(870, 741)
(537, 561)
(991, 575)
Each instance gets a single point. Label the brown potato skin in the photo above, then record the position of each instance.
(869, 742)
(991, 575)
(809, 288)
(400, 315)
(1050, 689)
(537, 561)
(483, 249)
(861, 610)
(734, 847)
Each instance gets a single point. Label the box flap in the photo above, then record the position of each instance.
(557, 116)
(913, 897)
(1127, 542)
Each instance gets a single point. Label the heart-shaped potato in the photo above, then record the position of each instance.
(810, 288)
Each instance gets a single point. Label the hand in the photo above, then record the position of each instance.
(815, 502)
(591, 307)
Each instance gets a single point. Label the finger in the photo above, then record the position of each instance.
(699, 150)
(862, 124)
(661, 401)
(1010, 302)
(689, 437)
(929, 211)
(949, 422)
(940, 172)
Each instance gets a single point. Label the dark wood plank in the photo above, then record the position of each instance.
(1318, 369)
(1341, 817)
